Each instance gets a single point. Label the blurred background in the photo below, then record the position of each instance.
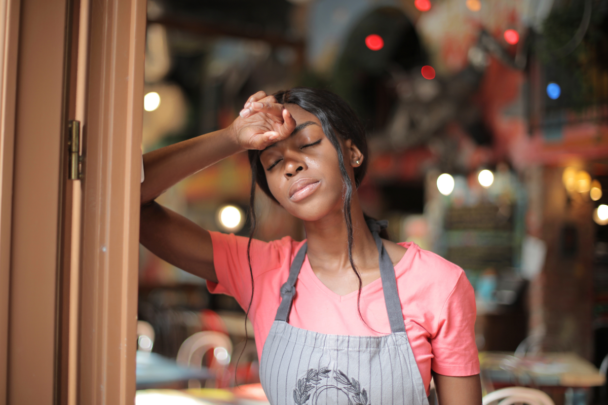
(488, 127)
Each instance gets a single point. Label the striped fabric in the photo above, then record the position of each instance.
(304, 367)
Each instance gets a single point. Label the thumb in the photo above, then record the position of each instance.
(287, 127)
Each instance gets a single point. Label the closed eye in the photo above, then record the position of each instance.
(311, 144)
(273, 165)
(302, 147)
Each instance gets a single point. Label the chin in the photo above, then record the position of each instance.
(315, 209)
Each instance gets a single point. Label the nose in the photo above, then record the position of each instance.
(292, 168)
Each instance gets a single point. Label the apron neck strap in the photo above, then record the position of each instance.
(387, 274)
(389, 281)
(288, 290)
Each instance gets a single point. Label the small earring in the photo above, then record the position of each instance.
(357, 162)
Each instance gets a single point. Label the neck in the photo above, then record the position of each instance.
(328, 241)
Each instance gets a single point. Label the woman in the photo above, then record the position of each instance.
(368, 320)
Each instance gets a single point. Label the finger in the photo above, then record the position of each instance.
(256, 97)
(246, 112)
(265, 139)
(274, 109)
(268, 99)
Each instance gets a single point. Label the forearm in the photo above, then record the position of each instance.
(166, 166)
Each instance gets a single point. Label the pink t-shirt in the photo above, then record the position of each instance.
(437, 301)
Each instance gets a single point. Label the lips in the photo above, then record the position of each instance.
(302, 189)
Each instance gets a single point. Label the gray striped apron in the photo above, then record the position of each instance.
(303, 367)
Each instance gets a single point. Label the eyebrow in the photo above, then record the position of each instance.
(295, 131)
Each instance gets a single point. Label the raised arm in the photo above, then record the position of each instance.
(173, 237)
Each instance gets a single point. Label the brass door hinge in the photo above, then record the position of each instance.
(75, 170)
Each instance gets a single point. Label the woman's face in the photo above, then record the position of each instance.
(302, 171)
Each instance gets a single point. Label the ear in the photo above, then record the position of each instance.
(353, 154)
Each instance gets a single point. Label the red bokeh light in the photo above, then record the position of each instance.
(511, 36)
(428, 72)
(423, 5)
(374, 42)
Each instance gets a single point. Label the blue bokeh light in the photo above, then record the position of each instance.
(553, 91)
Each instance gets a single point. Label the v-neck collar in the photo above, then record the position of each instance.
(372, 287)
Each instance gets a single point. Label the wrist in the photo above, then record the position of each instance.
(231, 134)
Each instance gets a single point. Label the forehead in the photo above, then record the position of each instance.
(300, 115)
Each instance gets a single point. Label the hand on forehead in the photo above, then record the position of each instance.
(260, 102)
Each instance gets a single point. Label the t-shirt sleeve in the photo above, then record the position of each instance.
(232, 265)
(453, 344)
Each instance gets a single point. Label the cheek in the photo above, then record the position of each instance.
(275, 182)
(328, 165)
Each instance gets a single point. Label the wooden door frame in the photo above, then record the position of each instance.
(9, 35)
(48, 355)
(111, 202)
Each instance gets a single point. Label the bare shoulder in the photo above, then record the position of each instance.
(395, 251)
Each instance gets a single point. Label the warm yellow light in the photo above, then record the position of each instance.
(583, 181)
(600, 215)
(569, 178)
(485, 178)
(474, 5)
(151, 101)
(596, 190)
(231, 218)
(445, 184)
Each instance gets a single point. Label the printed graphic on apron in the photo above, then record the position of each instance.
(312, 385)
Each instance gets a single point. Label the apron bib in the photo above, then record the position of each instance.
(309, 368)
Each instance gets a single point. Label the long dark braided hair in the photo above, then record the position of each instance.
(337, 120)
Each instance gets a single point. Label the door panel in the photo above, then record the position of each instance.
(33, 343)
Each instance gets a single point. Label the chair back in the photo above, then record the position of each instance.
(192, 351)
(145, 336)
(517, 395)
(194, 348)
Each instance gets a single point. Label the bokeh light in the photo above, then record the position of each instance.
(554, 91)
(569, 178)
(222, 356)
(230, 218)
(511, 36)
(151, 101)
(145, 343)
(485, 178)
(596, 190)
(474, 5)
(600, 215)
(445, 184)
(423, 5)
(583, 181)
(374, 42)
(428, 72)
